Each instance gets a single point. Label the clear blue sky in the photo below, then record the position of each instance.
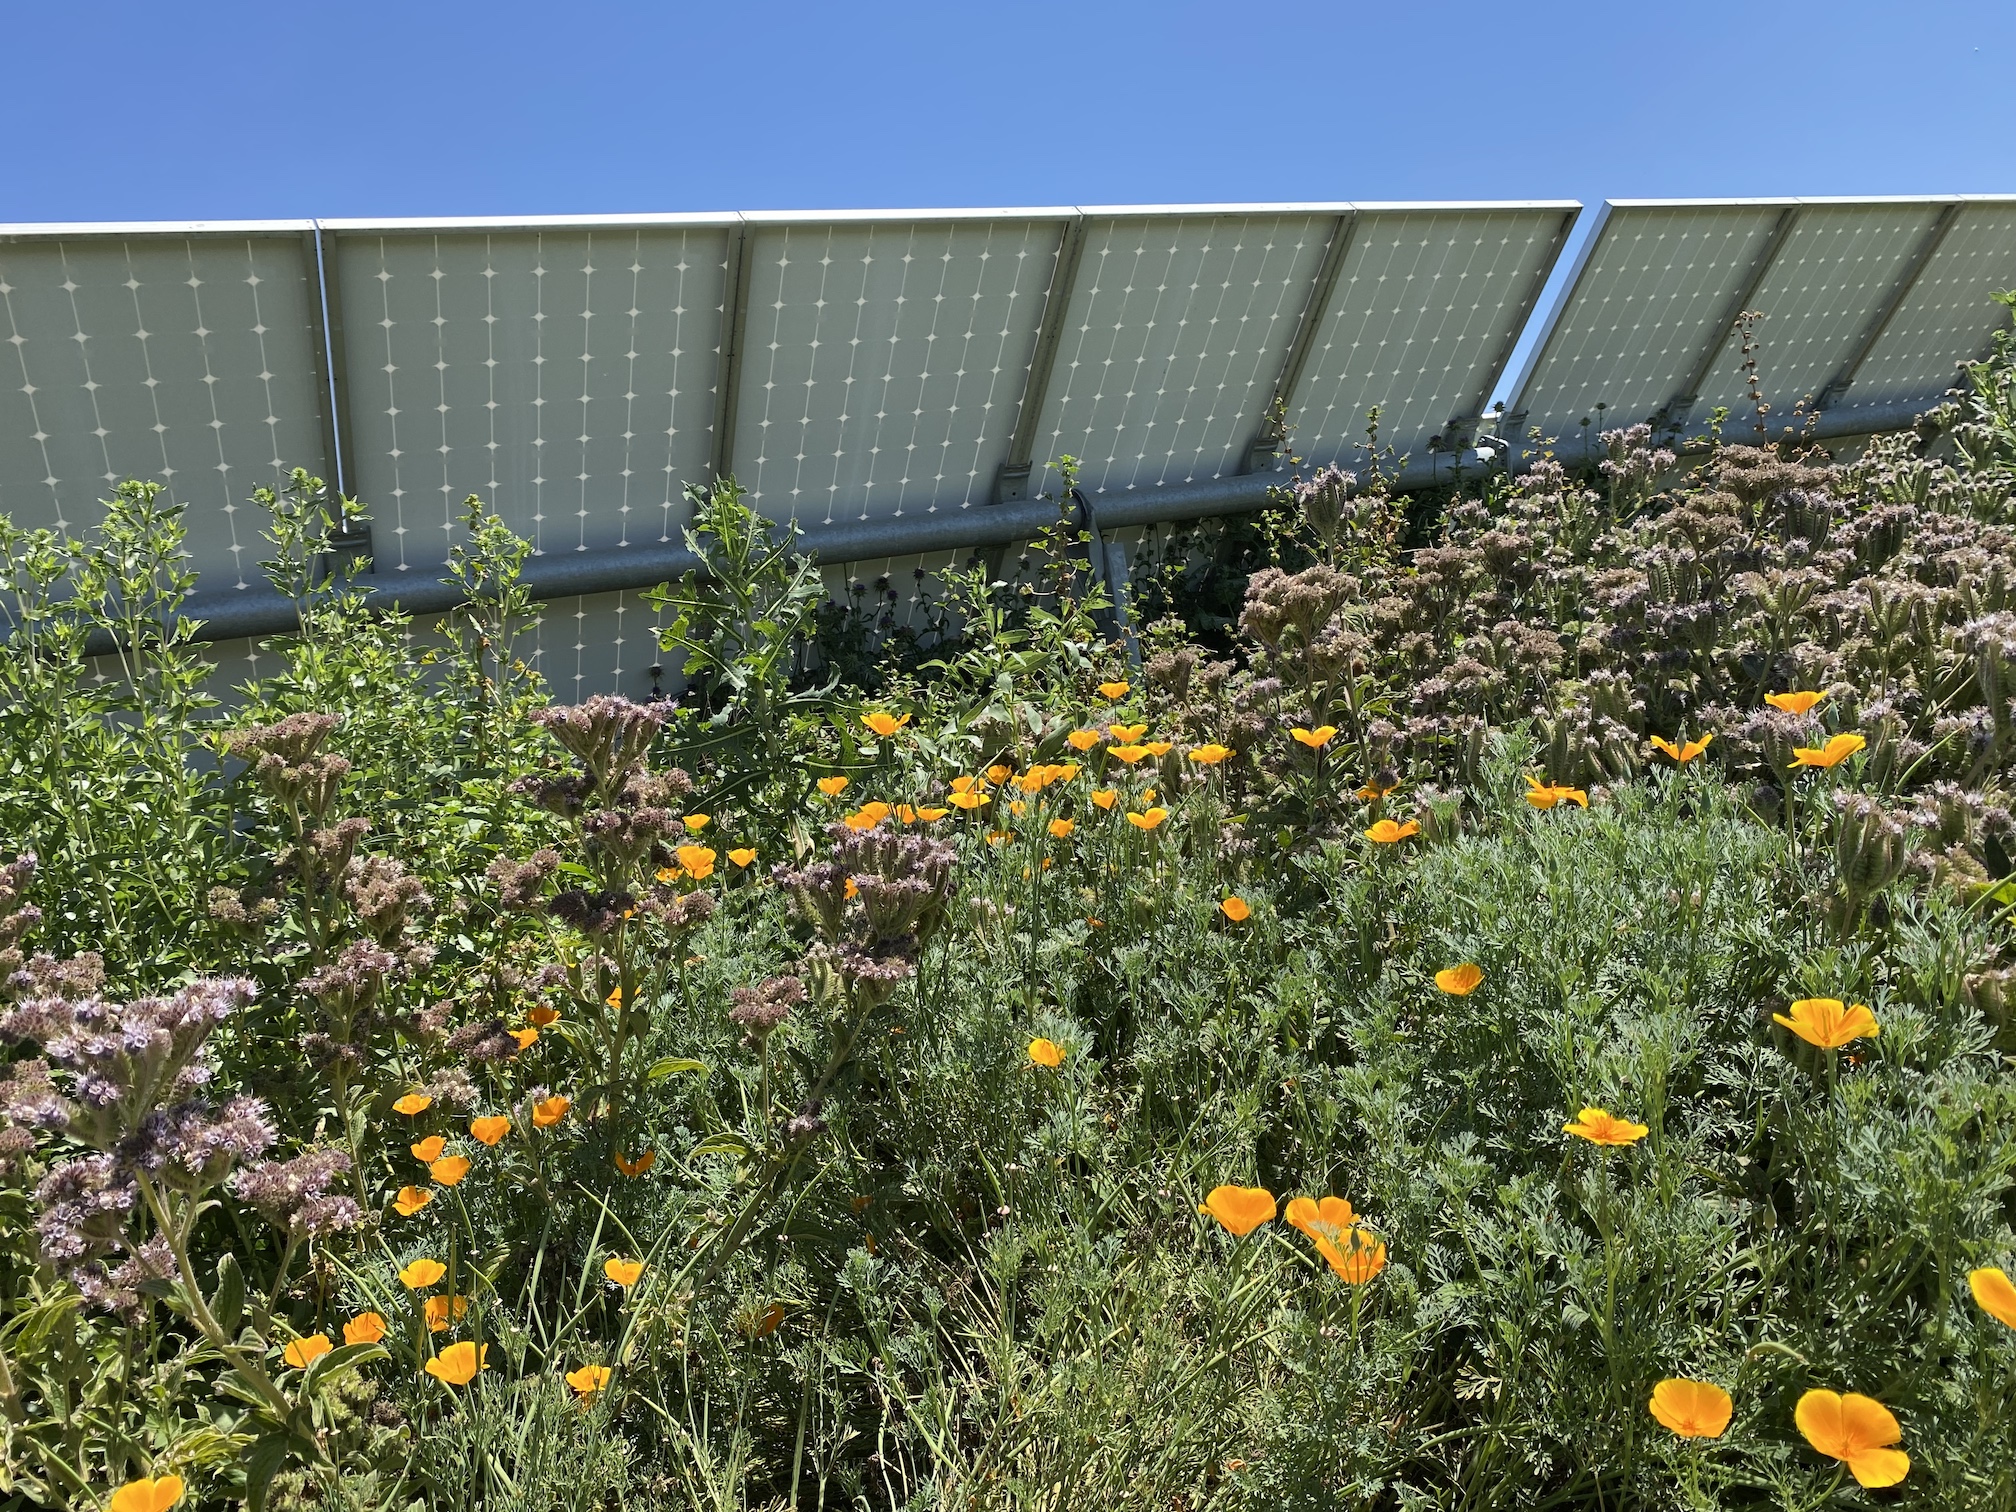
(441, 107)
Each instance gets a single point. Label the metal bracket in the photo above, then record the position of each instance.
(1268, 437)
(1011, 481)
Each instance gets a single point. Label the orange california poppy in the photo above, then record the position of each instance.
(666, 874)
(1017, 807)
(1237, 909)
(1046, 1053)
(932, 815)
(1114, 689)
(1856, 1430)
(1793, 703)
(588, 1380)
(998, 774)
(1060, 829)
(413, 1104)
(853, 889)
(968, 800)
(1692, 1409)
(551, 1111)
(615, 998)
(1994, 1291)
(623, 1272)
(1127, 753)
(488, 1131)
(1683, 753)
(1544, 795)
(1361, 1261)
(743, 855)
(1105, 798)
(1210, 755)
(1149, 820)
(1240, 1209)
(833, 786)
(305, 1352)
(1330, 1216)
(1386, 832)
(365, 1328)
(1837, 750)
(441, 1311)
(526, 1037)
(1372, 792)
(1000, 837)
(697, 822)
(543, 1014)
(422, 1272)
(1082, 740)
(147, 1494)
(429, 1148)
(697, 861)
(449, 1169)
(1121, 734)
(458, 1363)
(1067, 771)
(410, 1200)
(1601, 1128)
(1315, 739)
(1828, 1023)
(964, 784)
(883, 724)
(1158, 748)
(1460, 981)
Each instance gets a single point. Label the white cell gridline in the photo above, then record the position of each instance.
(186, 360)
(565, 376)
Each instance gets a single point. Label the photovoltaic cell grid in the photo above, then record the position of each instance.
(566, 376)
(1173, 340)
(883, 364)
(1646, 305)
(1427, 307)
(1836, 269)
(1947, 316)
(1661, 279)
(189, 360)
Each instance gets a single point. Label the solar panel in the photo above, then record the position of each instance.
(1428, 305)
(1172, 341)
(190, 356)
(883, 362)
(1947, 315)
(1864, 305)
(565, 373)
(1654, 294)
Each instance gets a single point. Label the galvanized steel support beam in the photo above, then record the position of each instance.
(1012, 481)
(332, 381)
(1900, 290)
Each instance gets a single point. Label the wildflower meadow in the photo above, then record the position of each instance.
(1501, 999)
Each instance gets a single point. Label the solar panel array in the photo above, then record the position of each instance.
(849, 368)
(1862, 305)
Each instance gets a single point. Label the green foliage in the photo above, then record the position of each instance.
(767, 1202)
